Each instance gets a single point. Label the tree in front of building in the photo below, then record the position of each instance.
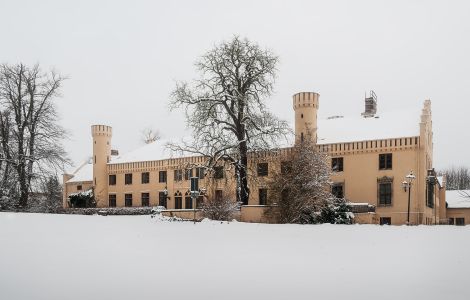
(300, 191)
(226, 110)
(31, 138)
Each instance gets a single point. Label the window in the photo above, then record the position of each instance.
(112, 179)
(460, 221)
(79, 187)
(451, 221)
(337, 190)
(145, 177)
(145, 199)
(178, 176)
(385, 221)
(286, 166)
(128, 179)
(301, 137)
(188, 202)
(162, 199)
(385, 161)
(385, 194)
(430, 195)
(263, 169)
(219, 195)
(178, 201)
(188, 174)
(219, 172)
(199, 202)
(337, 164)
(112, 200)
(128, 200)
(200, 173)
(263, 196)
(162, 176)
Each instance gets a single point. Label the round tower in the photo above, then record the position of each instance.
(306, 107)
(102, 135)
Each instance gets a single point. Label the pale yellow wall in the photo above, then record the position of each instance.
(71, 188)
(459, 213)
(361, 170)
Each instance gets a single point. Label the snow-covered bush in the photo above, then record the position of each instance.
(221, 209)
(336, 211)
(111, 211)
(83, 199)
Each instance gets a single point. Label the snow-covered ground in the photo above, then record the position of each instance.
(136, 257)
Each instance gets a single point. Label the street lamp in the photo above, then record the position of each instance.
(407, 185)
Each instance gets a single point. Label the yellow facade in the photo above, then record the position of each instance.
(359, 177)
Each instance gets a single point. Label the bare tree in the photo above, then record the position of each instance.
(31, 138)
(300, 190)
(150, 135)
(457, 178)
(226, 109)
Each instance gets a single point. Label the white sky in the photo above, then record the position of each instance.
(123, 58)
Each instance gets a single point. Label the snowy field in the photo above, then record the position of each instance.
(136, 257)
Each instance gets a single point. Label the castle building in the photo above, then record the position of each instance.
(370, 154)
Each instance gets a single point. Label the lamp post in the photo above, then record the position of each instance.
(407, 185)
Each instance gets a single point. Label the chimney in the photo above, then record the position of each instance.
(370, 105)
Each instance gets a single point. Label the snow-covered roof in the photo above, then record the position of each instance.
(458, 199)
(83, 173)
(157, 150)
(386, 125)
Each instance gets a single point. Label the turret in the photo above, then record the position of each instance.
(306, 107)
(102, 135)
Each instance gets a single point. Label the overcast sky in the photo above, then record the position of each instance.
(123, 58)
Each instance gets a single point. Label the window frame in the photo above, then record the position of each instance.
(112, 202)
(146, 176)
(112, 182)
(338, 185)
(385, 161)
(219, 172)
(337, 161)
(162, 175)
(127, 199)
(263, 196)
(146, 199)
(128, 179)
(262, 169)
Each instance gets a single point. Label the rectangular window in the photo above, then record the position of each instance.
(263, 196)
(162, 199)
(79, 187)
(451, 221)
(286, 166)
(112, 179)
(200, 173)
(219, 172)
(128, 179)
(219, 195)
(385, 194)
(188, 174)
(145, 177)
(337, 190)
(385, 161)
(263, 169)
(128, 200)
(145, 199)
(460, 221)
(112, 200)
(162, 176)
(188, 202)
(178, 202)
(430, 196)
(385, 221)
(337, 164)
(178, 175)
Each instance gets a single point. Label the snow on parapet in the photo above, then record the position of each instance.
(458, 199)
(357, 128)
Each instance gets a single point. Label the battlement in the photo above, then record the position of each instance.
(101, 130)
(306, 99)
